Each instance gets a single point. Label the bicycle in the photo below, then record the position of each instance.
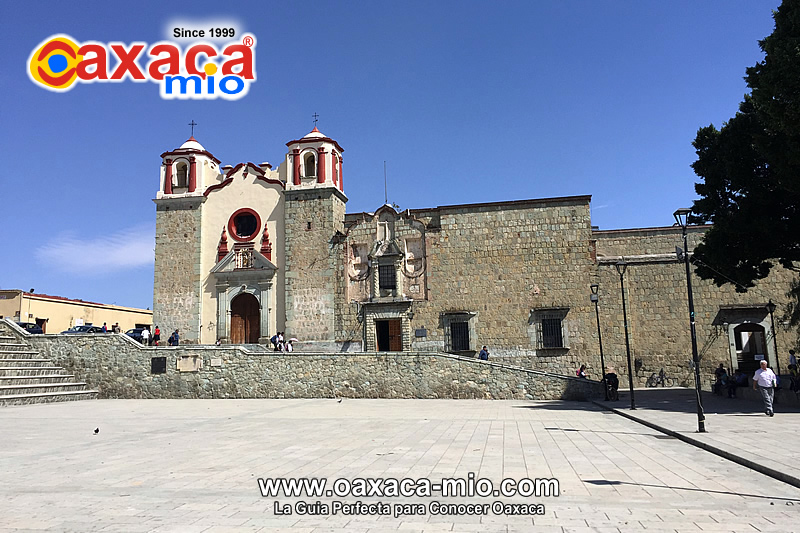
(661, 378)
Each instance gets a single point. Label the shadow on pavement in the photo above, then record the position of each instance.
(693, 489)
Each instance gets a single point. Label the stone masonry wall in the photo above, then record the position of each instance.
(500, 262)
(310, 267)
(176, 285)
(658, 313)
(120, 368)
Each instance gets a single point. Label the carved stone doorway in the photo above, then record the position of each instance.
(245, 319)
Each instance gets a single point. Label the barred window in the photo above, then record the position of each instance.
(386, 277)
(551, 333)
(460, 336)
(547, 328)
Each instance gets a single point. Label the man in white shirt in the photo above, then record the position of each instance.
(146, 336)
(764, 381)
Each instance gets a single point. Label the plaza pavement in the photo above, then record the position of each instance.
(735, 427)
(191, 466)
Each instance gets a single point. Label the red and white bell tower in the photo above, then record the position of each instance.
(188, 170)
(314, 161)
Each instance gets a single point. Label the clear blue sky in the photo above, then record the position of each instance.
(466, 101)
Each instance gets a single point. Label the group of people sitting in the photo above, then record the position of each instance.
(281, 345)
(729, 382)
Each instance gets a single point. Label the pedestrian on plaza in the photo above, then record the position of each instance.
(484, 354)
(105, 329)
(145, 336)
(764, 381)
(177, 338)
(792, 358)
(612, 384)
(156, 335)
(289, 346)
(581, 372)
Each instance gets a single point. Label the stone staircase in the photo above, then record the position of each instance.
(26, 378)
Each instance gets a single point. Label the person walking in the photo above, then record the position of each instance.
(484, 354)
(581, 372)
(764, 381)
(177, 338)
(146, 336)
(156, 336)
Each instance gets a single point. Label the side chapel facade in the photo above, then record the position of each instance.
(245, 251)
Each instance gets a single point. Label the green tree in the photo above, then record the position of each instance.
(750, 171)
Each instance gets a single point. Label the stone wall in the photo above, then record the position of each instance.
(310, 263)
(499, 262)
(177, 281)
(658, 312)
(120, 368)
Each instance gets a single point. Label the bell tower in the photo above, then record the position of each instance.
(314, 214)
(186, 173)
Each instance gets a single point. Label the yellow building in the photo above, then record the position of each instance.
(56, 313)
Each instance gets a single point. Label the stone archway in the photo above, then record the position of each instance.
(245, 319)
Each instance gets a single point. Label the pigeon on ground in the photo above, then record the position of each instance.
(340, 400)
(96, 431)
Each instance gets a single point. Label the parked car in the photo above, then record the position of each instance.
(135, 334)
(30, 327)
(84, 329)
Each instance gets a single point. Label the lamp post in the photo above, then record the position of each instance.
(682, 218)
(621, 267)
(595, 298)
(771, 308)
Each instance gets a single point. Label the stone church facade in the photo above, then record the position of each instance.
(245, 251)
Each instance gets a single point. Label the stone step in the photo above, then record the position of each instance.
(47, 397)
(17, 354)
(29, 370)
(23, 361)
(14, 347)
(43, 379)
(38, 388)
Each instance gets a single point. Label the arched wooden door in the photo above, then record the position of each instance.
(245, 319)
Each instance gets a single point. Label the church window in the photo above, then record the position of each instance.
(310, 165)
(387, 278)
(181, 175)
(459, 331)
(460, 336)
(244, 225)
(548, 328)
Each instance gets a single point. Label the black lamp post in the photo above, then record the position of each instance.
(595, 298)
(621, 267)
(771, 308)
(682, 218)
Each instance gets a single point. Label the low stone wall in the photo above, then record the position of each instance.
(120, 368)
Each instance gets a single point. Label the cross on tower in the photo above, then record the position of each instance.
(193, 124)
(316, 117)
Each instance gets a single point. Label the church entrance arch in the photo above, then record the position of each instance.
(245, 319)
(751, 347)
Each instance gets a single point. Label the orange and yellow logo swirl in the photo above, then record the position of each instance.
(53, 64)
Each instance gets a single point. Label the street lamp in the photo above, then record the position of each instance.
(595, 298)
(682, 219)
(771, 308)
(621, 267)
